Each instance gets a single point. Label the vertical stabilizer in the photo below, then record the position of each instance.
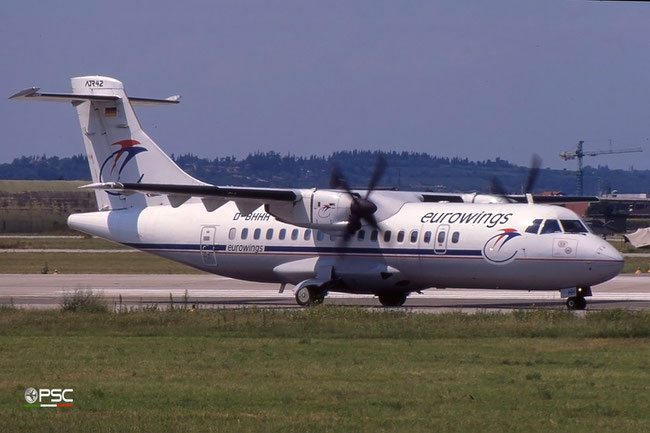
(118, 149)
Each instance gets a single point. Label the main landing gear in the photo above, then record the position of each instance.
(310, 295)
(392, 299)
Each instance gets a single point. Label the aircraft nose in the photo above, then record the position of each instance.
(610, 261)
(606, 251)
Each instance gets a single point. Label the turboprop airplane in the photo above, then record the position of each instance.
(386, 243)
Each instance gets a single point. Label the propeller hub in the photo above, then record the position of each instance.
(363, 208)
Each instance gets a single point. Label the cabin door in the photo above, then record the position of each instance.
(208, 236)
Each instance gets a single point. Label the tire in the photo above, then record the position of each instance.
(571, 303)
(304, 296)
(319, 299)
(310, 295)
(392, 299)
(576, 303)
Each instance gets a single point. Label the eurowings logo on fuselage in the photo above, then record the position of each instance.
(499, 249)
(130, 148)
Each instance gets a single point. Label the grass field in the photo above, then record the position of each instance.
(69, 242)
(632, 264)
(17, 186)
(90, 263)
(327, 369)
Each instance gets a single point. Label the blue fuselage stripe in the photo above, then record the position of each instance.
(309, 249)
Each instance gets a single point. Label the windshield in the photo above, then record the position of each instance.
(534, 227)
(551, 226)
(573, 226)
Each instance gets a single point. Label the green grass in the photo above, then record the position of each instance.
(85, 243)
(327, 369)
(634, 263)
(16, 186)
(90, 263)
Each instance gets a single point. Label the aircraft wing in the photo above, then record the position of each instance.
(261, 195)
(553, 199)
(433, 197)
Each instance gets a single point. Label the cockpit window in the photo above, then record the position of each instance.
(534, 227)
(551, 226)
(573, 226)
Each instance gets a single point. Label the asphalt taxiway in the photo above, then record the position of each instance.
(47, 291)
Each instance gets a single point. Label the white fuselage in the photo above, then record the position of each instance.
(422, 245)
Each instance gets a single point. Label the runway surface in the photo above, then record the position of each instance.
(47, 291)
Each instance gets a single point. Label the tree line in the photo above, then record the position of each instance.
(406, 170)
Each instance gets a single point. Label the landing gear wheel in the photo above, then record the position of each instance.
(303, 297)
(576, 303)
(310, 295)
(319, 298)
(392, 299)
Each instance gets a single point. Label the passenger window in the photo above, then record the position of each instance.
(361, 234)
(257, 233)
(294, 235)
(427, 237)
(400, 236)
(373, 235)
(244, 234)
(414, 236)
(307, 234)
(387, 236)
(551, 226)
(573, 226)
(534, 227)
(320, 235)
(282, 234)
(269, 234)
(232, 234)
(455, 237)
(441, 237)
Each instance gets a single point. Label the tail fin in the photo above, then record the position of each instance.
(118, 149)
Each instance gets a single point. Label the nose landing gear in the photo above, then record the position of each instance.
(576, 297)
(576, 303)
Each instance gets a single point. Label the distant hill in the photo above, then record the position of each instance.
(406, 170)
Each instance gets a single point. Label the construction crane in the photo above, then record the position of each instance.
(579, 153)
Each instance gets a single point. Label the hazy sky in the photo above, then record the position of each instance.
(475, 79)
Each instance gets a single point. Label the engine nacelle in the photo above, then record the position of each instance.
(325, 210)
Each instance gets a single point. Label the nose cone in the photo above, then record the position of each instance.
(606, 251)
(609, 259)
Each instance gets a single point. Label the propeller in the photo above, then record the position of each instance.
(361, 208)
(533, 173)
(496, 187)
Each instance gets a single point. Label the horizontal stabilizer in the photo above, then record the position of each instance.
(33, 94)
